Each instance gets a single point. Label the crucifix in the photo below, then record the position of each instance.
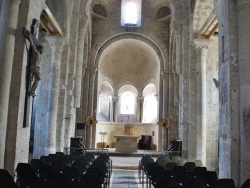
(33, 74)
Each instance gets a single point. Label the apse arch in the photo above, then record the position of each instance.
(157, 48)
(129, 61)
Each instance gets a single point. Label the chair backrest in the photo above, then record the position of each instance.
(58, 165)
(177, 171)
(53, 156)
(197, 183)
(169, 166)
(71, 158)
(158, 175)
(97, 172)
(198, 163)
(8, 183)
(146, 140)
(81, 167)
(36, 164)
(57, 180)
(59, 153)
(56, 177)
(145, 162)
(190, 166)
(90, 180)
(198, 171)
(167, 182)
(246, 184)
(25, 178)
(90, 156)
(225, 183)
(71, 173)
(46, 160)
(210, 177)
(23, 167)
(185, 177)
(4, 174)
(44, 171)
(181, 162)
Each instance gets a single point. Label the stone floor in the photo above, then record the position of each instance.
(125, 172)
(125, 179)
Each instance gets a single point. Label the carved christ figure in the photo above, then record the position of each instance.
(35, 59)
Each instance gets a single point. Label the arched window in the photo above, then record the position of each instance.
(127, 103)
(150, 109)
(131, 13)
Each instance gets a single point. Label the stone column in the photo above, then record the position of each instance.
(111, 109)
(57, 45)
(165, 78)
(178, 76)
(172, 115)
(115, 108)
(8, 21)
(139, 113)
(85, 86)
(243, 11)
(184, 88)
(92, 75)
(201, 51)
(90, 110)
(173, 95)
(79, 64)
(192, 105)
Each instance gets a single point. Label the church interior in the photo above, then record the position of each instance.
(115, 72)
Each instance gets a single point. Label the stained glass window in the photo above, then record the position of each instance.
(131, 13)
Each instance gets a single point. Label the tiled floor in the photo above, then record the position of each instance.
(125, 179)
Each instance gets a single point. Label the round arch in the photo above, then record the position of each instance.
(134, 36)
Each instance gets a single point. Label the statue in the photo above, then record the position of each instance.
(35, 56)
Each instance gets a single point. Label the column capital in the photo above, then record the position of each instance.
(202, 43)
(56, 43)
(115, 98)
(140, 98)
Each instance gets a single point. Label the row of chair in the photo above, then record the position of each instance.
(55, 170)
(187, 176)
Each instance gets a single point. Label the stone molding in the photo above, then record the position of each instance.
(202, 43)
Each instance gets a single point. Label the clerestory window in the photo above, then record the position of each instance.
(131, 13)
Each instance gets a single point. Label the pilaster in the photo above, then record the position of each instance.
(202, 149)
(243, 25)
(8, 21)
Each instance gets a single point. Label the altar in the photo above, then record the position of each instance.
(126, 143)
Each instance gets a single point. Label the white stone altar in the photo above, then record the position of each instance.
(126, 143)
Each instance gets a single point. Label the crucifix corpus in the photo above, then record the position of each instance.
(33, 75)
(36, 50)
